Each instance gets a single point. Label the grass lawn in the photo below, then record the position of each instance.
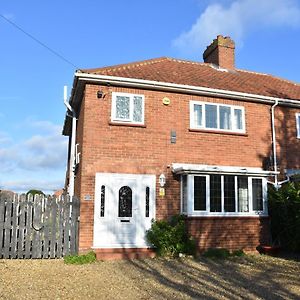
(250, 277)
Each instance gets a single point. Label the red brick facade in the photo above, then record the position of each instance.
(120, 148)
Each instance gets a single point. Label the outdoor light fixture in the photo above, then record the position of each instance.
(162, 180)
(100, 94)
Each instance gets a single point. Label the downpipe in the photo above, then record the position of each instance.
(73, 145)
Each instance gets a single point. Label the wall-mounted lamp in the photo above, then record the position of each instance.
(100, 94)
(162, 180)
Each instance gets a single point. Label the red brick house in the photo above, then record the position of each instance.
(165, 136)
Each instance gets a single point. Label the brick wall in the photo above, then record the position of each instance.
(112, 148)
(232, 233)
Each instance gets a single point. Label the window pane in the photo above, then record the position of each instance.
(229, 194)
(257, 195)
(122, 107)
(210, 116)
(198, 115)
(199, 193)
(125, 202)
(215, 193)
(102, 204)
(147, 201)
(298, 125)
(243, 202)
(184, 194)
(238, 119)
(137, 109)
(225, 117)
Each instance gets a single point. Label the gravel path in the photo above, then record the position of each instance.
(252, 277)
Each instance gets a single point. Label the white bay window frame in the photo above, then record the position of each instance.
(190, 197)
(193, 124)
(129, 120)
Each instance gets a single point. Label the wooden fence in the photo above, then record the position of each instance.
(38, 227)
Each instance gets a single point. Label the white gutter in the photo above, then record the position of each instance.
(73, 145)
(181, 88)
(274, 142)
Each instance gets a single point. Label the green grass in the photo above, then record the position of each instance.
(88, 258)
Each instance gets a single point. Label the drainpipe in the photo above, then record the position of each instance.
(73, 145)
(274, 142)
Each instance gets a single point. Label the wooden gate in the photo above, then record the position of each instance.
(38, 227)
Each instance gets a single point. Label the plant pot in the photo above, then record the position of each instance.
(268, 250)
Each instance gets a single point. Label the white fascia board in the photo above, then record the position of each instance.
(181, 168)
(173, 87)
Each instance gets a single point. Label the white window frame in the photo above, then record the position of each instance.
(298, 125)
(190, 197)
(193, 125)
(131, 108)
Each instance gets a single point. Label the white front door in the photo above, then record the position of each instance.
(124, 207)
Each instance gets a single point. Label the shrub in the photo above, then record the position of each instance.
(170, 237)
(88, 258)
(284, 209)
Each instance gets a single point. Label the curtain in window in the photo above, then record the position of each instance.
(238, 119)
(211, 116)
(225, 117)
(198, 115)
(243, 202)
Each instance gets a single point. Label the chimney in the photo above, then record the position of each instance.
(220, 52)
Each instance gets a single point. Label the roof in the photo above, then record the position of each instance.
(170, 70)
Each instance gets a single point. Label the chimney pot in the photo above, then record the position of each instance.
(221, 52)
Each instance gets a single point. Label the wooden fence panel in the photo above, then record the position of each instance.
(38, 227)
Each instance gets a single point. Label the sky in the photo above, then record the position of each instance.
(90, 34)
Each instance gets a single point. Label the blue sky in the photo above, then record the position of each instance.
(99, 33)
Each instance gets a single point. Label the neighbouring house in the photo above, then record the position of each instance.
(165, 136)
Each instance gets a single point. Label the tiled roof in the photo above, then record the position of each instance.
(177, 71)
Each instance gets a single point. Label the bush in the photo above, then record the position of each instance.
(284, 209)
(170, 237)
(222, 253)
(80, 259)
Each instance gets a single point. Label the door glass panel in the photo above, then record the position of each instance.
(102, 204)
(147, 201)
(125, 202)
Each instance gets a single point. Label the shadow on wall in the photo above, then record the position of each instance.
(287, 143)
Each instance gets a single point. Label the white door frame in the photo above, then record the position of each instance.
(107, 228)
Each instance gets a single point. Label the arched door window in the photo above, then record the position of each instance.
(125, 202)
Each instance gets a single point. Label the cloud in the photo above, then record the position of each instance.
(25, 185)
(237, 20)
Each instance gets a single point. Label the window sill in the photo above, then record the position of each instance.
(115, 123)
(228, 215)
(218, 132)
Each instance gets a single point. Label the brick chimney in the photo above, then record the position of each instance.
(220, 52)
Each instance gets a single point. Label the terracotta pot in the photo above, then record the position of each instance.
(268, 250)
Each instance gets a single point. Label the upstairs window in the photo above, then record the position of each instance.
(127, 108)
(212, 116)
(298, 125)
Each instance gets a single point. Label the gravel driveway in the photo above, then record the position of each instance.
(251, 277)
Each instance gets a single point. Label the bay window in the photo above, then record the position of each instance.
(223, 194)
